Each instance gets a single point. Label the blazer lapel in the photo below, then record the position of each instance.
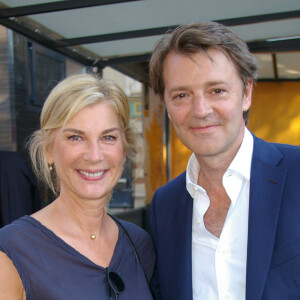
(183, 250)
(266, 188)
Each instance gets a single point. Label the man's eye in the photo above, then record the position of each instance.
(181, 95)
(218, 91)
(74, 137)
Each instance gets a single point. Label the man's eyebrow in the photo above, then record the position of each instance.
(187, 88)
(178, 88)
(215, 82)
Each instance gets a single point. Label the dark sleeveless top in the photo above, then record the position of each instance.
(51, 269)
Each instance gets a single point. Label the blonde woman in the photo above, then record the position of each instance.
(72, 249)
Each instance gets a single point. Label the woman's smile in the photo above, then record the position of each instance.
(91, 175)
(92, 145)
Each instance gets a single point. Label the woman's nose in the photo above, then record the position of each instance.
(94, 152)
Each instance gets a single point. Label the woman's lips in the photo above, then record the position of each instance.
(91, 175)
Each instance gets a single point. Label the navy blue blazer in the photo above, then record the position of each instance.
(19, 193)
(273, 257)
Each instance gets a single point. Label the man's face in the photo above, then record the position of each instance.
(205, 99)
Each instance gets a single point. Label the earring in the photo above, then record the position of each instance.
(51, 167)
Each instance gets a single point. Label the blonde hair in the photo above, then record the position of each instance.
(69, 97)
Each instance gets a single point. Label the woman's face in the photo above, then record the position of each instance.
(88, 153)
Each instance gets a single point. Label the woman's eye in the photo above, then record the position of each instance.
(74, 137)
(109, 138)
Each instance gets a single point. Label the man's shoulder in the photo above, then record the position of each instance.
(290, 157)
(173, 192)
(7, 158)
(276, 152)
(289, 149)
(174, 185)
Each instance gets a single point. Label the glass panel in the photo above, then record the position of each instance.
(265, 66)
(288, 65)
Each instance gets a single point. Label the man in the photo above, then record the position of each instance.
(19, 194)
(228, 227)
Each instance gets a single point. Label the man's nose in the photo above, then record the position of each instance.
(201, 106)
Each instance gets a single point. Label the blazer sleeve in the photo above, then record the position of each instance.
(154, 284)
(19, 193)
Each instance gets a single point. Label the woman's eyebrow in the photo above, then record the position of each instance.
(110, 130)
(78, 131)
(73, 130)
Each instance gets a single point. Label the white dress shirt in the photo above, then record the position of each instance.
(219, 264)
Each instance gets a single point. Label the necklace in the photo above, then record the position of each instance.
(92, 237)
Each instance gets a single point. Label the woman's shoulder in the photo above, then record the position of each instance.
(139, 236)
(143, 244)
(11, 286)
(16, 227)
(18, 232)
(136, 232)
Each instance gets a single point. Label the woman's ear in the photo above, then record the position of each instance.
(124, 158)
(48, 155)
(48, 148)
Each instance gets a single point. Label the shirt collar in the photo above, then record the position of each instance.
(192, 172)
(240, 164)
(242, 161)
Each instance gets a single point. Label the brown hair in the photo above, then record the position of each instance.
(202, 36)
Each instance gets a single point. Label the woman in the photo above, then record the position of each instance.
(72, 249)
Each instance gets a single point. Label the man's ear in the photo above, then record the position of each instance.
(165, 106)
(169, 116)
(247, 99)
